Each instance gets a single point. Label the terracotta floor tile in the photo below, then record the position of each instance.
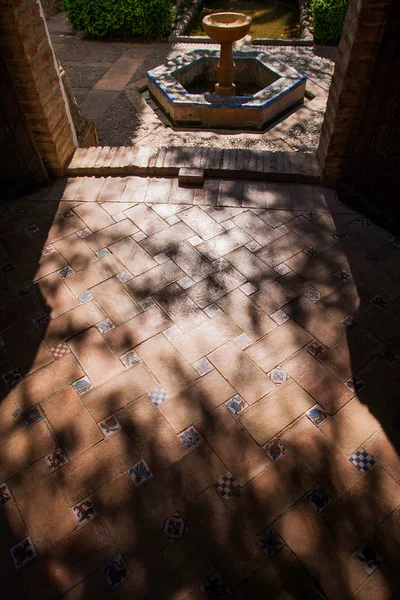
(98, 361)
(96, 273)
(382, 584)
(153, 280)
(246, 314)
(241, 372)
(90, 189)
(256, 228)
(64, 228)
(137, 330)
(112, 189)
(317, 271)
(386, 539)
(385, 452)
(132, 256)
(184, 313)
(233, 445)
(12, 528)
(280, 292)
(71, 423)
(206, 338)
(89, 471)
(191, 261)
(316, 321)
(215, 286)
(114, 301)
(94, 216)
(72, 323)
(145, 218)
(223, 243)
(163, 241)
(250, 265)
(135, 189)
(49, 264)
(201, 223)
(56, 295)
(110, 235)
(10, 423)
(151, 434)
(42, 506)
(276, 411)
(338, 574)
(119, 392)
(282, 249)
(75, 252)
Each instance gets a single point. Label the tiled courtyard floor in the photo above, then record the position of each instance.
(199, 394)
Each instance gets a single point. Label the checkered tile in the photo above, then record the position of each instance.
(364, 221)
(83, 233)
(227, 486)
(343, 275)
(362, 460)
(60, 350)
(158, 395)
(371, 256)
(379, 302)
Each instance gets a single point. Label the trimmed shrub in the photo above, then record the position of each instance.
(142, 18)
(328, 18)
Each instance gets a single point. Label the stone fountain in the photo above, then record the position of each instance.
(246, 90)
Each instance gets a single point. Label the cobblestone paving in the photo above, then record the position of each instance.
(199, 394)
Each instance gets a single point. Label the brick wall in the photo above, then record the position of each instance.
(30, 60)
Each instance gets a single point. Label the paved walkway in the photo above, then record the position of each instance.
(198, 394)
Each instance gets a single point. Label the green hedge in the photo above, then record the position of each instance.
(142, 18)
(328, 18)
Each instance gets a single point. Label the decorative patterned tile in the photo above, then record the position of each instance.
(389, 356)
(280, 317)
(110, 426)
(227, 486)
(12, 377)
(139, 473)
(343, 274)
(129, 359)
(274, 449)
(349, 323)
(139, 236)
(253, 246)
(102, 253)
(83, 233)
(41, 319)
(203, 366)
(146, 303)
(395, 240)
(355, 384)
(105, 326)
(368, 558)
(316, 349)
(83, 385)
(313, 295)
(172, 333)
(236, 404)
(248, 288)
(278, 376)
(5, 494)
(310, 216)
(8, 268)
(372, 256)
(84, 511)
(195, 240)
(270, 541)
(158, 395)
(68, 214)
(362, 460)
(257, 211)
(46, 250)
(174, 527)
(318, 499)
(212, 310)
(220, 264)
(161, 258)
(243, 341)
(60, 350)
(115, 572)
(22, 553)
(172, 220)
(65, 272)
(227, 225)
(32, 229)
(26, 290)
(311, 251)
(364, 221)
(84, 297)
(339, 235)
(379, 302)
(282, 269)
(318, 415)
(190, 437)
(214, 588)
(56, 459)
(185, 282)
(32, 416)
(119, 217)
(124, 276)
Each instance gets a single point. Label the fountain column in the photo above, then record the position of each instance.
(225, 85)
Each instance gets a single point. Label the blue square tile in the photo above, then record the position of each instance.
(82, 386)
(190, 437)
(270, 541)
(139, 473)
(32, 416)
(236, 404)
(317, 415)
(115, 572)
(318, 499)
(158, 395)
(362, 460)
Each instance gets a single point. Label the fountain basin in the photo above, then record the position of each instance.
(267, 89)
(227, 26)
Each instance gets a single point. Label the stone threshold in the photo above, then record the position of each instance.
(163, 162)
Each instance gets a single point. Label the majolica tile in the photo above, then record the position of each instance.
(84, 511)
(32, 416)
(367, 556)
(32, 229)
(146, 303)
(364, 221)
(362, 460)
(139, 236)
(27, 290)
(161, 258)
(124, 276)
(102, 253)
(174, 527)
(282, 269)
(84, 297)
(190, 437)
(248, 288)
(313, 295)
(379, 302)
(172, 220)
(389, 356)
(39, 320)
(311, 251)
(105, 326)
(274, 449)
(253, 246)
(195, 240)
(22, 553)
(270, 541)
(215, 588)
(355, 384)
(227, 225)
(236, 404)
(278, 376)
(139, 473)
(60, 350)
(202, 366)
(243, 341)
(65, 272)
(310, 216)
(257, 211)
(5, 494)
(129, 359)
(318, 415)
(83, 233)
(339, 235)
(349, 323)
(395, 240)
(68, 214)
(47, 249)
(220, 264)
(280, 317)
(172, 333)
(110, 426)
(318, 499)
(227, 486)
(119, 217)
(372, 256)
(12, 377)
(115, 572)
(83, 385)
(158, 395)
(56, 459)
(185, 282)
(343, 274)
(316, 349)
(212, 310)
(8, 267)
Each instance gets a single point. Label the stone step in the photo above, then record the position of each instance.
(161, 162)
